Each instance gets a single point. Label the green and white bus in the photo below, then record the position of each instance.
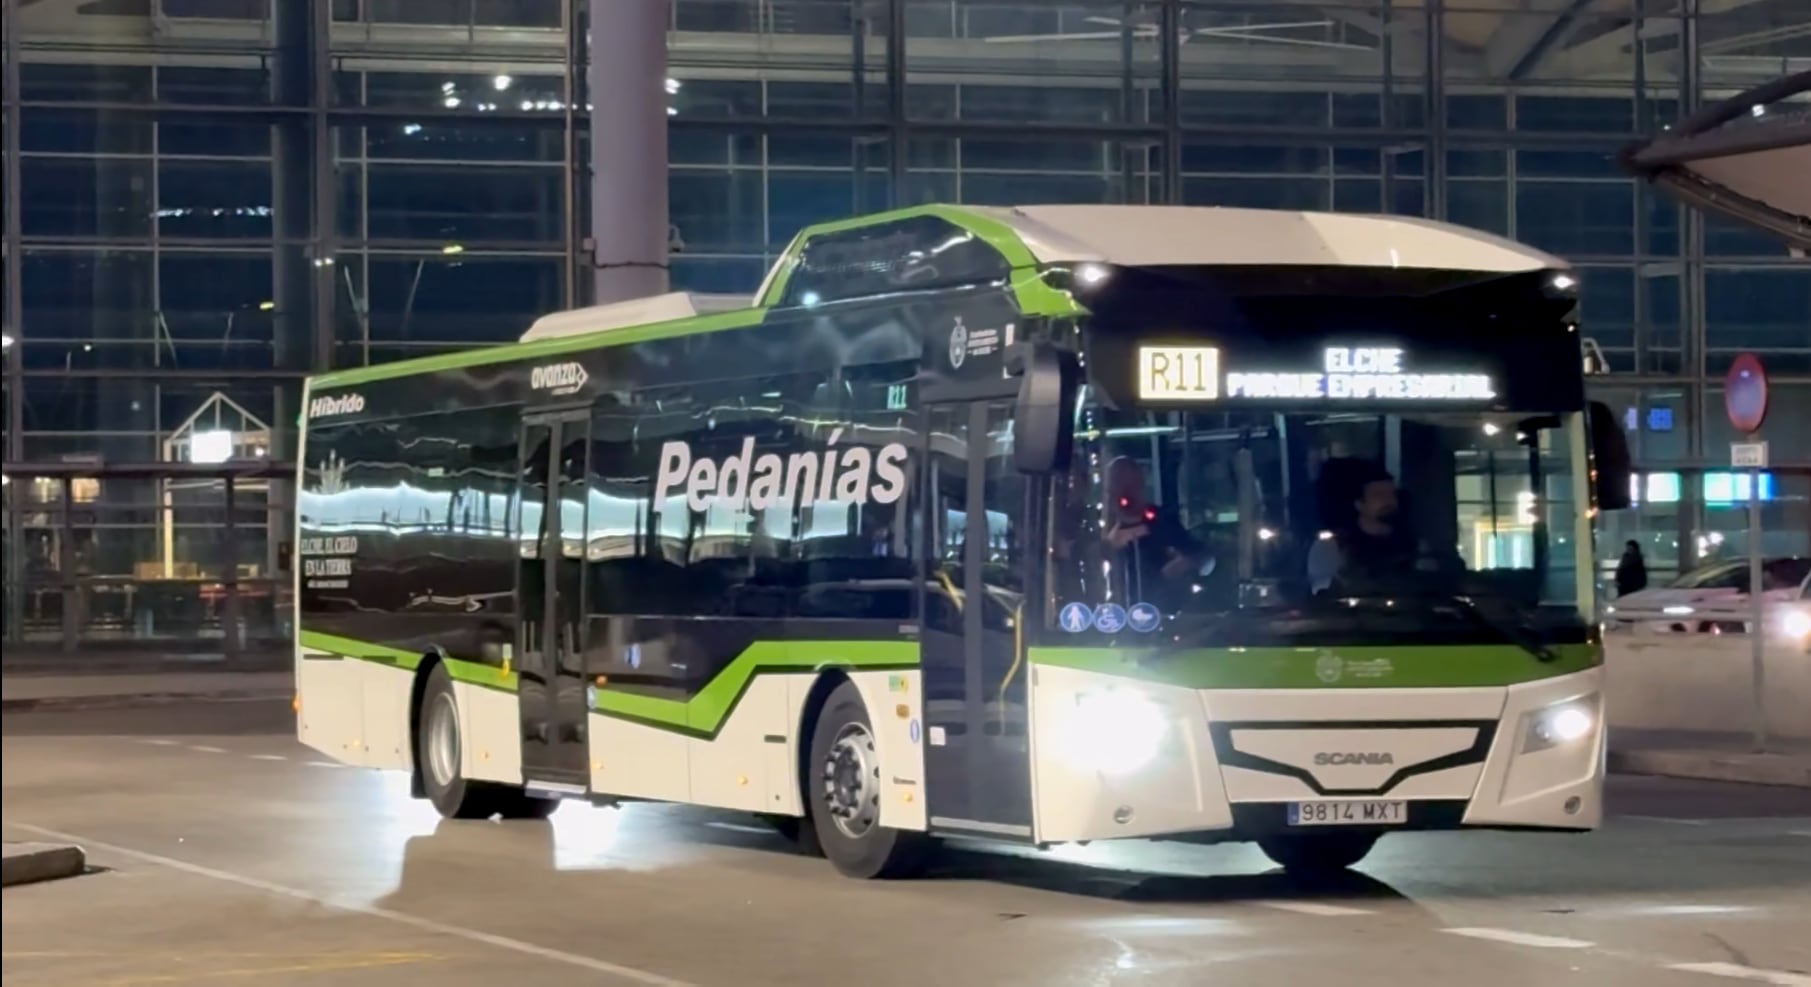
(1040, 524)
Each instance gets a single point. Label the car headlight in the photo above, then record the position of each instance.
(1113, 731)
(1560, 724)
(1796, 624)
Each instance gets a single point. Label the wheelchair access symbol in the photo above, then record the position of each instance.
(1076, 617)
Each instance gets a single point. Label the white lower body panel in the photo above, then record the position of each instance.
(1229, 762)
(358, 712)
(752, 762)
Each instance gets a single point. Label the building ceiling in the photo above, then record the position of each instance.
(1490, 41)
(1745, 157)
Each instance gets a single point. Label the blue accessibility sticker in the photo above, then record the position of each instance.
(1143, 618)
(1076, 617)
(1110, 618)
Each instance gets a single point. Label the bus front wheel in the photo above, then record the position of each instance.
(1319, 854)
(843, 793)
(438, 745)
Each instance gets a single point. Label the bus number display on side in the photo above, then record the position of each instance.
(1178, 373)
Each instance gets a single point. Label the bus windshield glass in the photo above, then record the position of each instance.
(1269, 527)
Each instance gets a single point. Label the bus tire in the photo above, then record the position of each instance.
(438, 743)
(1319, 854)
(842, 790)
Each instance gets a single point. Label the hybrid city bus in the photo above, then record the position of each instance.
(1041, 524)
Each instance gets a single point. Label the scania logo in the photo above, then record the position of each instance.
(558, 378)
(1353, 757)
(345, 404)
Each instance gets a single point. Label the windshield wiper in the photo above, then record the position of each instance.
(1517, 633)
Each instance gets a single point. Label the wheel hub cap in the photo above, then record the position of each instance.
(851, 775)
(443, 741)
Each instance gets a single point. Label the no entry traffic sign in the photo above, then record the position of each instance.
(1745, 394)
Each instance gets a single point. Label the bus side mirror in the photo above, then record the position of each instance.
(1611, 469)
(1043, 428)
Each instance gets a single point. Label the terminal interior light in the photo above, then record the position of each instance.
(215, 446)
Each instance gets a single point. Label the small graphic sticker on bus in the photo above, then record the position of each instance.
(1076, 617)
(1143, 618)
(1110, 618)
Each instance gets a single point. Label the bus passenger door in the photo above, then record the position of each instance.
(977, 760)
(550, 602)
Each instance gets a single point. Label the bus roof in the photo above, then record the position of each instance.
(1140, 236)
(1029, 237)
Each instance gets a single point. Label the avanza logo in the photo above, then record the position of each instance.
(558, 378)
(328, 407)
(852, 475)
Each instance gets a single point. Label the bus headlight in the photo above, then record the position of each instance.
(1560, 723)
(1113, 731)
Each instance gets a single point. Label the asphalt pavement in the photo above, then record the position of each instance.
(223, 852)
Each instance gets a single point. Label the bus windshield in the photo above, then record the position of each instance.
(1329, 527)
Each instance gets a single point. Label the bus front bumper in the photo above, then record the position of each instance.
(1239, 764)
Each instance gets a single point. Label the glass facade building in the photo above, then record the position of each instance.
(207, 200)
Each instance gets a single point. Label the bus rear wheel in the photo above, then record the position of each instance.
(1317, 855)
(439, 743)
(843, 794)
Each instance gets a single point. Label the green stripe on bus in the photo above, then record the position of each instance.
(1367, 667)
(705, 713)
(540, 348)
(460, 670)
(1033, 294)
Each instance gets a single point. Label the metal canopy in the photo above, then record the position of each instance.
(1745, 157)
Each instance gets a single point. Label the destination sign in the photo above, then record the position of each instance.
(1346, 373)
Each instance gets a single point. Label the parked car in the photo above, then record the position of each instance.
(1794, 620)
(1707, 599)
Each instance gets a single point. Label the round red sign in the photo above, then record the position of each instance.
(1745, 393)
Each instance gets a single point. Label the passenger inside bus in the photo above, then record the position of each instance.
(1362, 511)
(1157, 554)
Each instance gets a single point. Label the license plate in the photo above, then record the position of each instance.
(1348, 813)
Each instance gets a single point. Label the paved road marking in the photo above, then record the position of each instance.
(1798, 832)
(269, 757)
(157, 741)
(309, 966)
(1780, 978)
(205, 749)
(401, 918)
(1671, 820)
(325, 764)
(1314, 908)
(1521, 938)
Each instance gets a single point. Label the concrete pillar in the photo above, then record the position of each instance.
(303, 193)
(12, 319)
(627, 91)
